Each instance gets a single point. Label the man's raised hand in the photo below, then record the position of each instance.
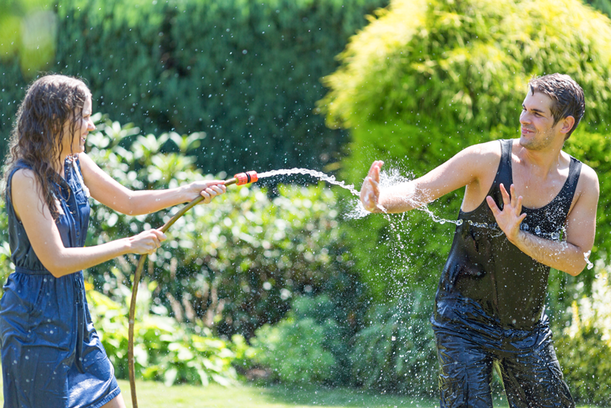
(370, 191)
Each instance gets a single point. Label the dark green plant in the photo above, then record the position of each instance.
(395, 352)
(341, 317)
(602, 5)
(165, 350)
(245, 72)
(234, 264)
(300, 348)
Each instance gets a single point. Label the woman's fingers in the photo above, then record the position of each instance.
(212, 191)
(147, 242)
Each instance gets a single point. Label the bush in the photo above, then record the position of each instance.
(396, 351)
(234, 264)
(163, 349)
(300, 348)
(584, 348)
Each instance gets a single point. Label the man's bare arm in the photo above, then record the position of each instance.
(468, 167)
(568, 256)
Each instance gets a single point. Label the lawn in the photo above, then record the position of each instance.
(156, 395)
(153, 394)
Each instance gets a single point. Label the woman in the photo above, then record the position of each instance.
(51, 353)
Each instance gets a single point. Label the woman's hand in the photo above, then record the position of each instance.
(208, 189)
(147, 242)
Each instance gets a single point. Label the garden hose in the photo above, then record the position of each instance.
(238, 179)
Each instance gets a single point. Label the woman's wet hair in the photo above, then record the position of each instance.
(566, 94)
(37, 135)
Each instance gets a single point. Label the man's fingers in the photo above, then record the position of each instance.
(518, 205)
(505, 194)
(374, 170)
(493, 207)
(370, 193)
(514, 199)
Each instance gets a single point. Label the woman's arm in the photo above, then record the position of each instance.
(109, 192)
(46, 241)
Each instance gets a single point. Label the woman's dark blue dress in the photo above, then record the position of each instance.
(52, 356)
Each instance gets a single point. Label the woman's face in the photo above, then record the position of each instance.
(75, 134)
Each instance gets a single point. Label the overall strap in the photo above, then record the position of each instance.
(565, 196)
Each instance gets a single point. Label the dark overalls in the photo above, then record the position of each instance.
(52, 356)
(490, 306)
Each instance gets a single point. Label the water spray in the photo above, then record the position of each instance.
(238, 179)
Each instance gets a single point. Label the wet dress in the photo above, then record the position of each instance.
(490, 305)
(52, 356)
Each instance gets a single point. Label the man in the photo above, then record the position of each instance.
(528, 206)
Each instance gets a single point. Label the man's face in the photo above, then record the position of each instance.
(537, 122)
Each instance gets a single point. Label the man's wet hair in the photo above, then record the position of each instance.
(566, 94)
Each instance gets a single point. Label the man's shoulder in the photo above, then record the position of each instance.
(586, 171)
(588, 179)
(484, 153)
(589, 175)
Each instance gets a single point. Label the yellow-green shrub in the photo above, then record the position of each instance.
(584, 347)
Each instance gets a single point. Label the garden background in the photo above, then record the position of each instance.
(187, 89)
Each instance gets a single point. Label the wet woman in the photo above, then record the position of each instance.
(51, 354)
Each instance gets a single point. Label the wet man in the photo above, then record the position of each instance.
(528, 206)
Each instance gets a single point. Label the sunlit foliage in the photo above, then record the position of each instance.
(584, 348)
(427, 78)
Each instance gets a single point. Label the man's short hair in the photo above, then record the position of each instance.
(566, 94)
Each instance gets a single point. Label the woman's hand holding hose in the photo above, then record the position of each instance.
(146, 242)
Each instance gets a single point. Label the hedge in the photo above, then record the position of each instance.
(245, 72)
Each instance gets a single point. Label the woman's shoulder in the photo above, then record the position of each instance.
(24, 177)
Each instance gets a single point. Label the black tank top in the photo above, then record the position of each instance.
(487, 271)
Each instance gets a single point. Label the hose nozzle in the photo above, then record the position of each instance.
(243, 178)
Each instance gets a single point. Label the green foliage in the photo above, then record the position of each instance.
(163, 349)
(396, 351)
(297, 350)
(584, 349)
(27, 35)
(246, 72)
(425, 79)
(602, 5)
(232, 265)
(452, 62)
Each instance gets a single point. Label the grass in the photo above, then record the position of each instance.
(153, 394)
(156, 395)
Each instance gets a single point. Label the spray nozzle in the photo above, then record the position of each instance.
(243, 178)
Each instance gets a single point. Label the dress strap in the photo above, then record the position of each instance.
(76, 167)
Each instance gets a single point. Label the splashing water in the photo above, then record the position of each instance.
(307, 172)
(586, 256)
(389, 179)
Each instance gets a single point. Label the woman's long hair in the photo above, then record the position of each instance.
(37, 135)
